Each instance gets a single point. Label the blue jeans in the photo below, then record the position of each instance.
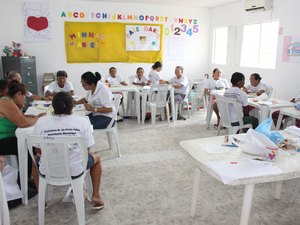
(100, 121)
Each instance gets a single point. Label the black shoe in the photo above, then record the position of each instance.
(180, 117)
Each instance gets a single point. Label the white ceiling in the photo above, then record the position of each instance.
(191, 3)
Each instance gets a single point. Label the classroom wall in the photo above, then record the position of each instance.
(285, 77)
(51, 57)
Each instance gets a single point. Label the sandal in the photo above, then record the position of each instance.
(97, 206)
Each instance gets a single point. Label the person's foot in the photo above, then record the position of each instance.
(97, 203)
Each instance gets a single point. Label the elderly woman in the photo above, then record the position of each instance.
(255, 86)
(11, 117)
(216, 83)
(61, 84)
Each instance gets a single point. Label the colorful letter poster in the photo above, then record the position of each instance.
(291, 49)
(106, 42)
(142, 38)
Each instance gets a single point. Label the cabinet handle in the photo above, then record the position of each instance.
(29, 67)
(29, 82)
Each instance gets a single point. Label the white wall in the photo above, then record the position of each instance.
(285, 78)
(50, 56)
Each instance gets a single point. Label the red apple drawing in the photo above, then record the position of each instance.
(37, 23)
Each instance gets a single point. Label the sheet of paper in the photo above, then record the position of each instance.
(79, 107)
(230, 171)
(214, 148)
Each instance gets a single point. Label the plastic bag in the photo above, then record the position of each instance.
(10, 176)
(265, 128)
(256, 143)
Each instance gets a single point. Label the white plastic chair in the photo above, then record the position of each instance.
(186, 99)
(112, 130)
(4, 212)
(46, 89)
(199, 96)
(269, 90)
(158, 100)
(55, 152)
(223, 105)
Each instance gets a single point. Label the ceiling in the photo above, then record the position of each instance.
(191, 3)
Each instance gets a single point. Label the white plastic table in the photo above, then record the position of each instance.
(290, 111)
(289, 164)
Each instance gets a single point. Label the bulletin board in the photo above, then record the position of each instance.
(88, 42)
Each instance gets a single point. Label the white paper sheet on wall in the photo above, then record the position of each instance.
(176, 48)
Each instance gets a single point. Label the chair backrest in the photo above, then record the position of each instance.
(158, 94)
(4, 213)
(46, 89)
(224, 105)
(269, 90)
(199, 88)
(55, 155)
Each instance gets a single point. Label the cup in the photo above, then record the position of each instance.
(272, 152)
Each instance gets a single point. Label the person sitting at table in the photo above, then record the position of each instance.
(99, 100)
(11, 117)
(61, 84)
(62, 118)
(14, 75)
(139, 78)
(217, 82)
(3, 88)
(275, 114)
(256, 86)
(238, 81)
(180, 84)
(154, 76)
(113, 79)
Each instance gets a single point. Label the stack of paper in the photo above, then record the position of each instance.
(230, 171)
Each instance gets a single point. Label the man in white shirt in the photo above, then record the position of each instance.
(238, 81)
(61, 84)
(140, 78)
(113, 79)
(181, 85)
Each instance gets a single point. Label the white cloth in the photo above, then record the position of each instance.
(54, 88)
(260, 87)
(154, 77)
(212, 84)
(102, 97)
(135, 79)
(12, 189)
(66, 125)
(183, 81)
(114, 81)
(241, 97)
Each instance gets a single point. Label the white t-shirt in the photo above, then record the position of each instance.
(154, 77)
(135, 79)
(183, 81)
(241, 97)
(260, 87)
(66, 125)
(212, 84)
(114, 81)
(102, 97)
(54, 88)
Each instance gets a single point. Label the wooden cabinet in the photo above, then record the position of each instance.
(25, 66)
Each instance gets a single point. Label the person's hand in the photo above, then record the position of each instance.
(49, 98)
(89, 107)
(41, 114)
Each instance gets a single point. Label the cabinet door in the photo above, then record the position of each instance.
(10, 64)
(28, 72)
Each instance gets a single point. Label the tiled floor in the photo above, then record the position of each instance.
(151, 184)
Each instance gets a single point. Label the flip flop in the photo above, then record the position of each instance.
(97, 206)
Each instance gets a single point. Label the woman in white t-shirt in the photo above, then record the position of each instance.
(217, 82)
(99, 100)
(154, 76)
(63, 123)
(238, 81)
(255, 86)
(61, 84)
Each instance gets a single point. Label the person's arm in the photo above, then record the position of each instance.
(49, 94)
(141, 84)
(35, 97)
(260, 92)
(163, 82)
(13, 113)
(80, 101)
(245, 90)
(123, 83)
(91, 108)
(71, 92)
(177, 85)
